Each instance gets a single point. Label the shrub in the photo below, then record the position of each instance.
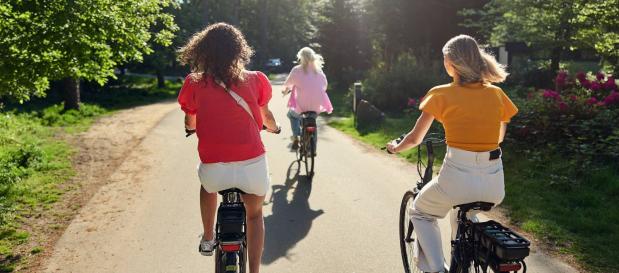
(578, 117)
(389, 88)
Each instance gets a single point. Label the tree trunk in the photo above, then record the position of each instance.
(264, 32)
(160, 79)
(555, 59)
(71, 90)
(236, 13)
(205, 11)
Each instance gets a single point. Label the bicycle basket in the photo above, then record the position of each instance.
(501, 241)
(230, 220)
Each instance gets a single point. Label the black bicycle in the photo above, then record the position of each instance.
(230, 230)
(230, 233)
(477, 246)
(307, 144)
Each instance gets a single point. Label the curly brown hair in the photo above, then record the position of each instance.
(220, 50)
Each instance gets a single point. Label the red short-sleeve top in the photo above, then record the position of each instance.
(226, 132)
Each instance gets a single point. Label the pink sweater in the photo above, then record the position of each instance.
(309, 91)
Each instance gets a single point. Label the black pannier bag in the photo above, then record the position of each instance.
(230, 219)
(500, 241)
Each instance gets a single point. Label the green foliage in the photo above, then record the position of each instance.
(345, 42)
(389, 88)
(579, 118)
(51, 40)
(34, 160)
(559, 25)
(551, 197)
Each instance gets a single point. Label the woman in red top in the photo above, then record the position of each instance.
(231, 151)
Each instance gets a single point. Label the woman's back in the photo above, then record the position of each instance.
(226, 132)
(471, 114)
(310, 90)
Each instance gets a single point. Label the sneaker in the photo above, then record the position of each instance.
(206, 247)
(295, 144)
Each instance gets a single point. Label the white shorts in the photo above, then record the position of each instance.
(250, 176)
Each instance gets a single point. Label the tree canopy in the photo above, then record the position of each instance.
(41, 41)
(558, 25)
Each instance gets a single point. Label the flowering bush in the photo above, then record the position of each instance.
(580, 116)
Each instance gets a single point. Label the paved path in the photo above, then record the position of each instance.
(147, 218)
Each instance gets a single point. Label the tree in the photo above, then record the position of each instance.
(556, 25)
(73, 40)
(599, 29)
(415, 26)
(344, 41)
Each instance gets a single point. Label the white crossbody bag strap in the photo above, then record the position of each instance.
(239, 100)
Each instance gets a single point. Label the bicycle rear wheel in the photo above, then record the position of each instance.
(231, 262)
(309, 158)
(408, 238)
(243, 258)
(220, 261)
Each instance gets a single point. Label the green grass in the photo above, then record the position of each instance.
(34, 158)
(545, 196)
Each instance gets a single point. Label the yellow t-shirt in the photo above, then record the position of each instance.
(471, 114)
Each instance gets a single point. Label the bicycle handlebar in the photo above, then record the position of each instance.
(193, 131)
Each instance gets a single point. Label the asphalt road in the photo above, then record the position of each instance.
(345, 220)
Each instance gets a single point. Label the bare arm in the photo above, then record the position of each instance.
(502, 132)
(190, 122)
(415, 136)
(269, 119)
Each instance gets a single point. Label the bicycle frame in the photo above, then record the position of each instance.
(231, 233)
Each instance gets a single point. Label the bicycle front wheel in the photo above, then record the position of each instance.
(408, 238)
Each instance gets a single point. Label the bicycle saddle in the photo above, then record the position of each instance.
(483, 206)
(232, 190)
(309, 114)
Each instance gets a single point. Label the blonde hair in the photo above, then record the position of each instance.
(472, 63)
(308, 57)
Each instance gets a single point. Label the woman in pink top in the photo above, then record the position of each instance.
(231, 152)
(309, 90)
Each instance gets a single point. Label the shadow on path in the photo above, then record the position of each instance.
(292, 219)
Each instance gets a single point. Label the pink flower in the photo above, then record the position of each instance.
(551, 94)
(411, 102)
(581, 76)
(562, 106)
(585, 83)
(592, 101)
(560, 82)
(595, 86)
(573, 98)
(612, 98)
(599, 76)
(610, 83)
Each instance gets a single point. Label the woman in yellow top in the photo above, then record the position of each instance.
(474, 114)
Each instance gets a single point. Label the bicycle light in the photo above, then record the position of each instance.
(231, 247)
(310, 129)
(509, 267)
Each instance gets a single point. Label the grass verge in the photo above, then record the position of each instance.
(35, 158)
(571, 210)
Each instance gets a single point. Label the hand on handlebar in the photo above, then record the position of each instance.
(391, 146)
(276, 131)
(286, 91)
(189, 132)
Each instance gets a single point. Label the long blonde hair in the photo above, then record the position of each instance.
(308, 57)
(472, 63)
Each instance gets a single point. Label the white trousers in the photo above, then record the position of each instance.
(465, 177)
(250, 176)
